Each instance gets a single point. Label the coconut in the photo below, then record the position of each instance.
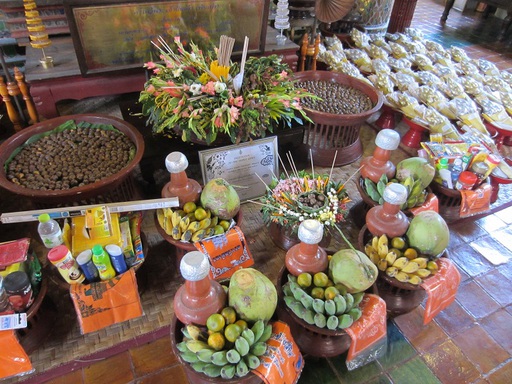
(428, 233)
(220, 198)
(417, 168)
(353, 269)
(252, 295)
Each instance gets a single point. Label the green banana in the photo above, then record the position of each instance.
(248, 335)
(252, 361)
(318, 305)
(350, 301)
(332, 322)
(259, 348)
(198, 366)
(345, 321)
(241, 369)
(355, 313)
(286, 289)
(196, 345)
(189, 357)
(205, 355)
(308, 316)
(267, 332)
(358, 297)
(182, 347)
(242, 346)
(228, 371)
(233, 356)
(341, 304)
(330, 307)
(258, 328)
(292, 278)
(320, 320)
(212, 370)
(219, 358)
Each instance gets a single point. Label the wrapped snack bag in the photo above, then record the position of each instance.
(330, 58)
(471, 86)
(380, 66)
(376, 52)
(422, 61)
(467, 113)
(471, 70)
(507, 76)
(360, 39)
(382, 82)
(404, 81)
(360, 59)
(414, 33)
(452, 88)
(398, 51)
(458, 54)
(428, 78)
(334, 44)
(409, 105)
(487, 67)
(347, 68)
(399, 64)
(495, 113)
(415, 47)
(438, 58)
(444, 71)
(379, 41)
(435, 99)
(438, 123)
(496, 83)
(506, 101)
(435, 47)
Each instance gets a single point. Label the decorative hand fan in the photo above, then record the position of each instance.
(329, 11)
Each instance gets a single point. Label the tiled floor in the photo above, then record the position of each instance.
(469, 342)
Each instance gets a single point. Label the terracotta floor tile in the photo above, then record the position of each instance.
(357, 376)
(422, 337)
(497, 285)
(318, 371)
(470, 260)
(505, 215)
(398, 348)
(475, 300)
(504, 236)
(414, 371)
(454, 319)
(73, 378)
(509, 309)
(499, 326)
(174, 375)
(492, 250)
(114, 370)
(481, 349)
(450, 365)
(501, 375)
(153, 356)
(491, 223)
(506, 270)
(469, 231)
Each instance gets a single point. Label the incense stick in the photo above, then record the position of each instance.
(282, 165)
(311, 157)
(333, 161)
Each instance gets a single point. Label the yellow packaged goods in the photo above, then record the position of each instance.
(98, 222)
(80, 242)
(127, 244)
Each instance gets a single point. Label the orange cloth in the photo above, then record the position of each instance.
(101, 304)
(227, 253)
(475, 201)
(283, 362)
(371, 326)
(13, 358)
(441, 288)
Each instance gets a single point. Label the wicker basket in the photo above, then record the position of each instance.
(332, 135)
(115, 188)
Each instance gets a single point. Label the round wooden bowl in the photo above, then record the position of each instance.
(111, 187)
(200, 378)
(312, 340)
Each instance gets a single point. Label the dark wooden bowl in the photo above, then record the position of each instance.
(105, 186)
(312, 340)
(200, 378)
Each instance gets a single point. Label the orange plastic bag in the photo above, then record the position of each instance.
(101, 304)
(227, 253)
(370, 328)
(475, 201)
(441, 288)
(14, 360)
(282, 362)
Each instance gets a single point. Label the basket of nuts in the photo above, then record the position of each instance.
(345, 104)
(75, 159)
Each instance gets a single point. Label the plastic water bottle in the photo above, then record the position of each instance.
(102, 261)
(49, 231)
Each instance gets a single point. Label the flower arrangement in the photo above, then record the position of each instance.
(291, 200)
(193, 92)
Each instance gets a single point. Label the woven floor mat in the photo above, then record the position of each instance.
(159, 279)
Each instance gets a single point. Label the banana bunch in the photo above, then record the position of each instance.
(337, 313)
(190, 225)
(237, 361)
(416, 194)
(406, 267)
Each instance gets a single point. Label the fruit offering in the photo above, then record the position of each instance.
(192, 223)
(316, 300)
(397, 260)
(227, 347)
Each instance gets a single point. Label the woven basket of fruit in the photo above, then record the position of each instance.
(75, 159)
(346, 103)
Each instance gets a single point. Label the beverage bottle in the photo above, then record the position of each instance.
(307, 256)
(102, 261)
(49, 231)
(200, 296)
(180, 185)
(116, 256)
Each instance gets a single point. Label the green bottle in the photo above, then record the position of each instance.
(101, 260)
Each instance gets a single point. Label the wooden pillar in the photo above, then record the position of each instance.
(11, 109)
(29, 103)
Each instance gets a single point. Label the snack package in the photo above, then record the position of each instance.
(382, 82)
(399, 64)
(428, 78)
(348, 69)
(444, 71)
(467, 113)
(360, 59)
(398, 51)
(376, 52)
(404, 81)
(439, 123)
(458, 54)
(379, 41)
(360, 39)
(435, 99)
(423, 62)
(471, 70)
(487, 67)
(381, 66)
(414, 33)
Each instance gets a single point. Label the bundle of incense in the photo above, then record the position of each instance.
(225, 50)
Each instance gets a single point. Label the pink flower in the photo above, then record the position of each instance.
(151, 89)
(283, 75)
(185, 114)
(209, 88)
(286, 103)
(150, 65)
(218, 121)
(239, 101)
(234, 113)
